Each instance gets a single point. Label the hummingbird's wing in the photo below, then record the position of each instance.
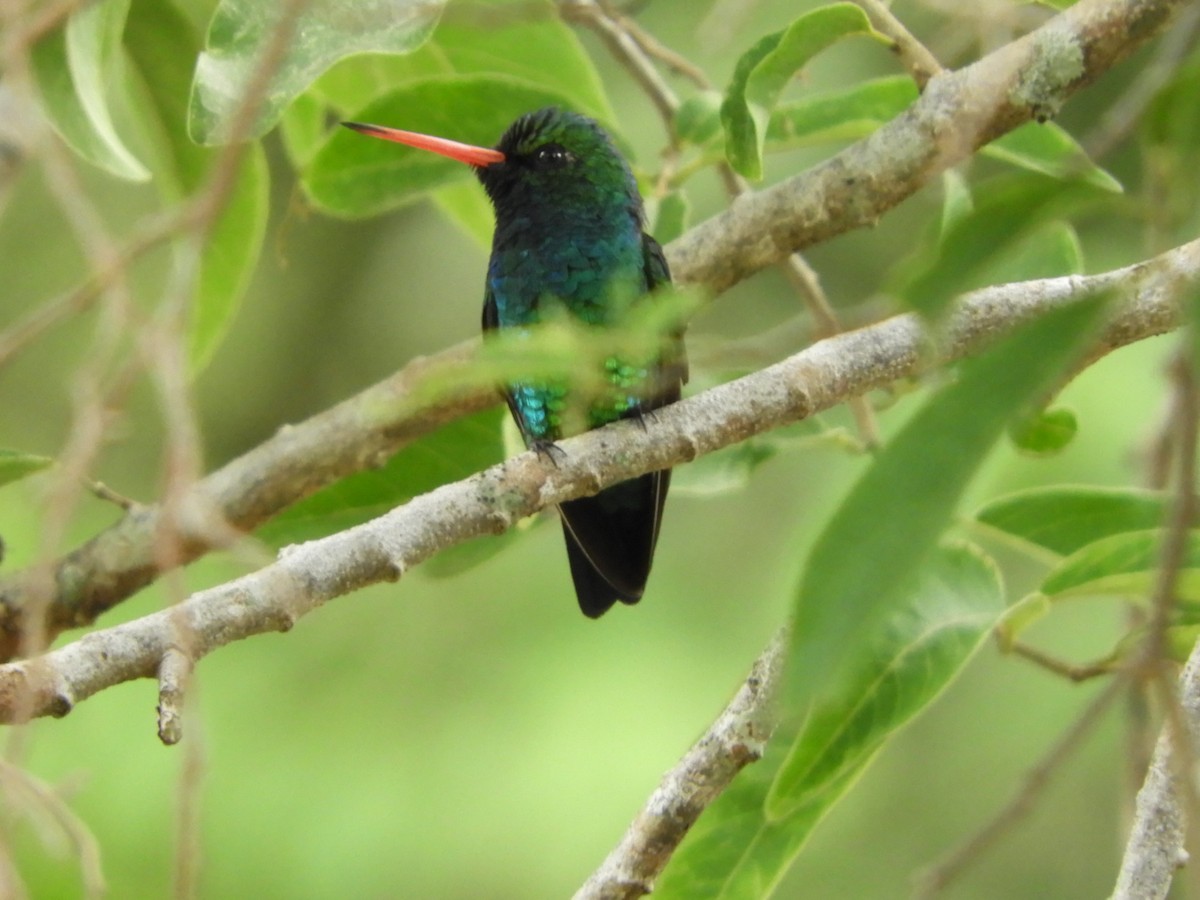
(611, 536)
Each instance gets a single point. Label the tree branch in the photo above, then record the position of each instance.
(736, 739)
(959, 112)
(817, 378)
(1029, 79)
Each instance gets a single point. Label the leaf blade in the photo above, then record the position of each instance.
(241, 31)
(736, 849)
(895, 513)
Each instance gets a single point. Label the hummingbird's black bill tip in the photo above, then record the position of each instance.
(480, 157)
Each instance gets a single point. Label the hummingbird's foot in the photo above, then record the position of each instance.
(548, 449)
(642, 417)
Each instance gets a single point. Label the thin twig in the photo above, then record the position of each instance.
(626, 50)
(1070, 671)
(942, 873)
(917, 58)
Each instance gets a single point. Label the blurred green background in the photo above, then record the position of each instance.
(475, 736)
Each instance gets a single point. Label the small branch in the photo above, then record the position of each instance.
(736, 739)
(940, 875)
(917, 58)
(174, 673)
(626, 50)
(102, 491)
(817, 378)
(1063, 669)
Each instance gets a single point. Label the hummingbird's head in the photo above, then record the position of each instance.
(552, 159)
(558, 158)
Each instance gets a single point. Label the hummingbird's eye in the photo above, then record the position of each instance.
(553, 156)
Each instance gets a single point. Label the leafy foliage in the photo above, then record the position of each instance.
(744, 844)
(887, 610)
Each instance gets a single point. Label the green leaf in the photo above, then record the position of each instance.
(229, 258)
(1123, 564)
(1047, 251)
(1018, 617)
(674, 210)
(991, 237)
(1067, 518)
(764, 71)
(478, 40)
(1049, 149)
(15, 465)
(77, 71)
(356, 176)
(1044, 433)
(162, 45)
(698, 119)
(449, 454)
(324, 31)
(840, 115)
(736, 850)
(957, 202)
(894, 514)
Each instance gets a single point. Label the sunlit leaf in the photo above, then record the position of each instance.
(15, 465)
(736, 849)
(77, 70)
(894, 514)
(242, 32)
(764, 71)
(1065, 518)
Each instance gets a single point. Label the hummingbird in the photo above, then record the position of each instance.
(569, 237)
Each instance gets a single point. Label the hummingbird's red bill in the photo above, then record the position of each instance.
(466, 153)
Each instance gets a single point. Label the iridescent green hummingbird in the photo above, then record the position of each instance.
(569, 237)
